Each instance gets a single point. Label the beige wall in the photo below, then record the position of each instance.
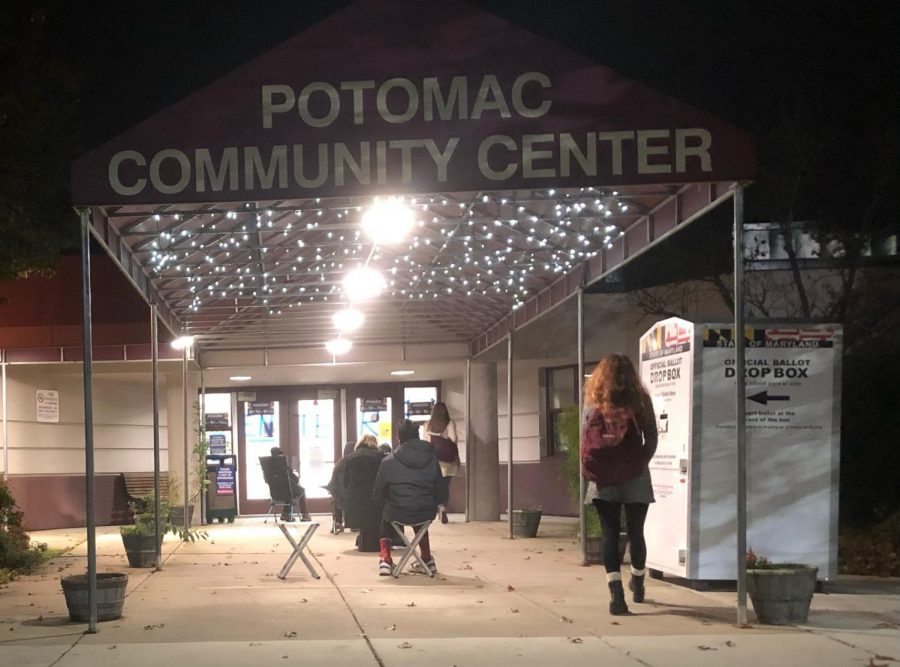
(123, 427)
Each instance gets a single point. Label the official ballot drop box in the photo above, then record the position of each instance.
(793, 384)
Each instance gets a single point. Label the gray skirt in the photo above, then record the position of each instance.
(637, 490)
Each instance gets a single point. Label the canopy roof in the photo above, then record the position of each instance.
(531, 171)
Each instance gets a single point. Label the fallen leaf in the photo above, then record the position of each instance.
(111, 647)
(404, 645)
(391, 627)
(704, 647)
(730, 643)
(290, 634)
(526, 558)
(872, 663)
(514, 610)
(411, 604)
(302, 600)
(613, 622)
(255, 643)
(565, 619)
(886, 657)
(576, 640)
(510, 588)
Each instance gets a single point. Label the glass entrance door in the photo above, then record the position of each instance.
(315, 428)
(258, 431)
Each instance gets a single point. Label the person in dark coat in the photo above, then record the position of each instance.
(335, 488)
(409, 482)
(359, 471)
(297, 491)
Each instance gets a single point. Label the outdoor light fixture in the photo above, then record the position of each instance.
(363, 283)
(338, 346)
(348, 319)
(402, 372)
(183, 342)
(240, 378)
(388, 220)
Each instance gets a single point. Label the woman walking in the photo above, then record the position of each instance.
(440, 431)
(618, 439)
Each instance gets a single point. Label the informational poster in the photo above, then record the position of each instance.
(218, 443)
(261, 408)
(667, 361)
(216, 421)
(47, 405)
(419, 408)
(225, 480)
(374, 405)
(792, 445)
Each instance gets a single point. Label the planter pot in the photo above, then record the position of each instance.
(781, 595)
(525, 522)
(110, 596)
(176, 515)
(141, 549)
(593, 553)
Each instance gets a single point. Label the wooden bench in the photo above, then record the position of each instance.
(139, 484)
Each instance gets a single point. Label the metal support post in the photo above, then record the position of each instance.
(187, 447)
(154, 374)
(468, 417)
(87, 373)
(3, 400)
(201, 426)
(582, 514)
(509, 431)
(739, 398)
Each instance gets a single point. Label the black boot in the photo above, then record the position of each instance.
(636, 586)
(617, 604)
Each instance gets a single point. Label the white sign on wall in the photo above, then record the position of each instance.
(667, 361)
(47, 405)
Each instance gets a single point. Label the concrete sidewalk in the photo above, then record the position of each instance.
(219, 603)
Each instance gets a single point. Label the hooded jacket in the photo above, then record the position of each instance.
(409, 483)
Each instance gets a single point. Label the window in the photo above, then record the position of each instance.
(561, 390)
(418, 402)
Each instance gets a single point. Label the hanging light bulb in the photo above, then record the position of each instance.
(388, 220)
(338, 346)
(363, 283)
(348, 319)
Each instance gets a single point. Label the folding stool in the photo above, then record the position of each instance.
(419, 529)
(298, 547)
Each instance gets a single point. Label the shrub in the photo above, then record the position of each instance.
(17, 553)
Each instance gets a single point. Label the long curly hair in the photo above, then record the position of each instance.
(614, 385)
(440, 417)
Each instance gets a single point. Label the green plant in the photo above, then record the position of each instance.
(17, 553)
(569, 431)
(199, 452)
(144, 513)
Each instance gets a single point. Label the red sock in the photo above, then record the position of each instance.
(425, 547)
(385, 549)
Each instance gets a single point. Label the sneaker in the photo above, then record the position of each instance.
(385, 568)
(306, 517)
(288, 518)
(444, 518)
(415, 568)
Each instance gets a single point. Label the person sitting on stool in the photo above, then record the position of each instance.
(297, 491)
(409, 483)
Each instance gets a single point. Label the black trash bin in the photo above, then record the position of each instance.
(221, 491)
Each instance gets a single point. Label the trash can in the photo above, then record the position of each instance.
(221, 490)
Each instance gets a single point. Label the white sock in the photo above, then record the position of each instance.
(636, 572)
(613, 576)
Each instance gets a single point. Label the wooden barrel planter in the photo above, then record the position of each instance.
(593, 552)
(781, 594)
(140, 549)
(110, 596)
(525, 522)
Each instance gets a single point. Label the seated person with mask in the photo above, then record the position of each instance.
(297, 491)
(409, 484)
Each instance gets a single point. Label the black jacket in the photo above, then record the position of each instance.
(409, 481)
(360, 469)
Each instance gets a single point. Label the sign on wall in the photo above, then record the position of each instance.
(384, 98)
(47, 405)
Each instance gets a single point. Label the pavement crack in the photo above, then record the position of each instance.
(66, 652)
(362, 631)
